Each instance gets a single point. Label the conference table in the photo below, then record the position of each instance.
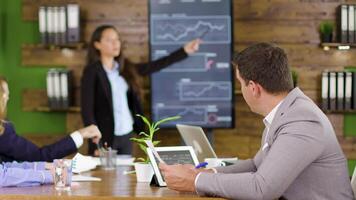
(114, 185)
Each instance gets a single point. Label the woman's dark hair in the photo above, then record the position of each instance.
(267, 65)
(126, 69)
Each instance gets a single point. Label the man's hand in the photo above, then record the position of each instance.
(91, 131)
(192, 46)
(179, 177)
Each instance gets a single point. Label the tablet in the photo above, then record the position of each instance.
(171, 155)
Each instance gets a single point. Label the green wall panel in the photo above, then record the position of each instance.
(2, 34)
(16, 33)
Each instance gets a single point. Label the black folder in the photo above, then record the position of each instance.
(343, 24)
(50, 88)
(351, 24)
(50, 25)
(332, 93)
(325, 91)
(66, 88)
(354, 90)
(62, 25)
(340, 90)
(42, 24)
(73, 23)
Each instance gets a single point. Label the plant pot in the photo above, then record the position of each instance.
(326, 38)
(144, 172)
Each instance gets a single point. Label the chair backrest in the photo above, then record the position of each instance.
(353, 182)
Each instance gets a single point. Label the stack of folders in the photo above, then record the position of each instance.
(347, 24)
(59, 24)
(59, 89)
(338, 91)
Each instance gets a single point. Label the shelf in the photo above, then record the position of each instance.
(77, 46)
(39, 55)
(339, 46)
(48, 109)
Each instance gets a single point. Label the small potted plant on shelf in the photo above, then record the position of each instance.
(294, 77)
(143, 168)
(326, 31)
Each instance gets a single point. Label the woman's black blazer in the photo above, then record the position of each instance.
(96, 97)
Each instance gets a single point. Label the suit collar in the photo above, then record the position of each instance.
(284, 106)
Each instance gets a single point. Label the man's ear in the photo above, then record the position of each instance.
(255, 88)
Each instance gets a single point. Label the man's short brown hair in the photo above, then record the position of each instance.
(267, 65)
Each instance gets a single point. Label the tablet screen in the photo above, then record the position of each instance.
(171, 156)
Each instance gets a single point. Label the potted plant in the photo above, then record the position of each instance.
(326, 31)
(144, 171)
(294, 77)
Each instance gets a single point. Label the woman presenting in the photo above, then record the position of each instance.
(111, 87)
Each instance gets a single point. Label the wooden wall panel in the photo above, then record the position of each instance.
(285, 10)
(292, 25)
(34, 98)
(38, 56)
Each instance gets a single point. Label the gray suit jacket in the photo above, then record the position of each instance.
(302, 161)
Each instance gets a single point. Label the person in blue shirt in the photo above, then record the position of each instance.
(25, 174)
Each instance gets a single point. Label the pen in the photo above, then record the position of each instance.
(200, 165)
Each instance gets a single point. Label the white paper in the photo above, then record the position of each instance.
(82, 163)
(150, 145)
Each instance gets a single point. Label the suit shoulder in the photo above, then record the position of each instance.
(304, 108)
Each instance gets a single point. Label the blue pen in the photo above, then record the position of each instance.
(200, 165)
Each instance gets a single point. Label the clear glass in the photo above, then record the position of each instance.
(62, 174)
(108, 159)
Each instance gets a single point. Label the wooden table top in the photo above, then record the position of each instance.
(114, 185)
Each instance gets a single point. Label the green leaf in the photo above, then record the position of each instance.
(155, 143)
(143, 133)
(144, 120)
(143, 148)
(138, 140)
(142, 160)
(165, 120)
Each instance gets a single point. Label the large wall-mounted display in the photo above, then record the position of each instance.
(199, 88)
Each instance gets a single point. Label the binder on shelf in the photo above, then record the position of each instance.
(66, 89)
(332, 94)
(348, 90)
(351, 22)
(340, 90)
(354, 23)
(343, 24)
(73, 21)
(42, 24)
(55, 10)
(354, 90)
(62, 25)
(325, 91)
(50, 25)
(50, 88)
(57, 90)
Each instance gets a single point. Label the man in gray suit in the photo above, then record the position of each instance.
(300, 157)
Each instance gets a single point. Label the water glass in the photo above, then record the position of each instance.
(108, 158)
(62, 174)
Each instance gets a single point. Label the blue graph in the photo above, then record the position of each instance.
(212, 29)
(189, 114)
(205, 91)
